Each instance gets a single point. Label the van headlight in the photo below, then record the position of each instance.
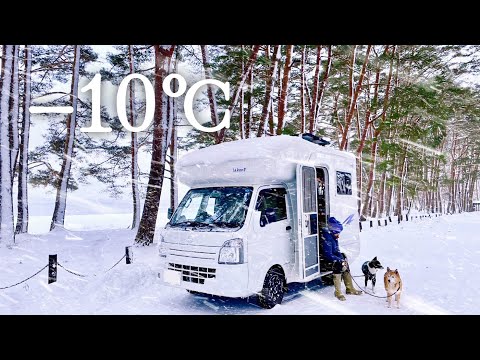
(231, 252)
(162, 247)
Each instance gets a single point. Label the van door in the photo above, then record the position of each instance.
(307, 222)
(270, 242)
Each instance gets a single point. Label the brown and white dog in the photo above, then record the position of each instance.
(393, 285)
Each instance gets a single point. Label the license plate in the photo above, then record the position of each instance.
(172, 277)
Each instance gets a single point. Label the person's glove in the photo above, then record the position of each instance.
(344, 266)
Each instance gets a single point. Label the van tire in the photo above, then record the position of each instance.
(273, 289)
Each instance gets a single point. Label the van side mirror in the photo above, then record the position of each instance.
(259, 219)
(169, 213)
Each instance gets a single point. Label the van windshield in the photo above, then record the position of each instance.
(215, 207)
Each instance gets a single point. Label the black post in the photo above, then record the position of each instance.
(399, 219)
(389, 219)
(379, 223)
(128, 254)
(406, 217)
(385, 222)
(52, 268)
(371, 223)
(360, 225)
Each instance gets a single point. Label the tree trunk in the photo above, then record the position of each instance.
(472, 188)
(134, 147)
(399, 198)
(371, 175)
(268, 90)
(58, 217)
(22, 217)
(173, 161)
(7, 234)
(354, 97)
(316, 79)
(282, 103)
(375, 137)
(248, 68)
(211, 96)
(146, 230)
(452, 198)
(248, 124)
(323, 84)
(14, 141)
(270, 119)
(381, 195)
(242, 105)
(302, 92)
(279, 95)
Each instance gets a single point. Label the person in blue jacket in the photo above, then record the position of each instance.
(331, 253)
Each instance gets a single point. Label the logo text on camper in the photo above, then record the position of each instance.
(239, 169)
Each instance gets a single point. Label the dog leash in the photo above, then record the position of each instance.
(381, 297)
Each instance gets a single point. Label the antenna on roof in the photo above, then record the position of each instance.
(314, 139)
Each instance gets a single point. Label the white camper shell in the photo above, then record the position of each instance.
(251, 222)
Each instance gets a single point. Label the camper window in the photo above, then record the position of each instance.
(272, 204)
(344, 183)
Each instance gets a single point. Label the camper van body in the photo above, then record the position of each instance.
(196, 258)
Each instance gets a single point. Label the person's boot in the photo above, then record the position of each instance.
(350, 289)
(337, 281)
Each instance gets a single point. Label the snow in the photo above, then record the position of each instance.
(257, 161)
(437, 258)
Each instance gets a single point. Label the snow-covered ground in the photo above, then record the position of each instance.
(438, 259)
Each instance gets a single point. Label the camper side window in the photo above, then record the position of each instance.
(271, 202)
(344, 183)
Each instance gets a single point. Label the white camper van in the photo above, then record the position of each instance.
(251, 222)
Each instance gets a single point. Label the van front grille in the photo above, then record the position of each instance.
(194, 274)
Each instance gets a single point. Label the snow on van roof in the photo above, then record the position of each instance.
(252, 161)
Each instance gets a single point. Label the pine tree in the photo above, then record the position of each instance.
(58, 217)
(146, 230)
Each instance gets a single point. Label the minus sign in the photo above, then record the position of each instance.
(51, 109)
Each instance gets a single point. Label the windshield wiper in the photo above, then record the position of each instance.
(226, 224)
(191, 223)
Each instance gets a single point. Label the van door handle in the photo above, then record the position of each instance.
(288, 228)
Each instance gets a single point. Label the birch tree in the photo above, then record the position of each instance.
(7, 234)
(22, 209)
(13, 112)
(134, 146)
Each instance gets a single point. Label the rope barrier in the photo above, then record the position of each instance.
(38, 272)
(71, 272)
(67, 270)
(118, 262)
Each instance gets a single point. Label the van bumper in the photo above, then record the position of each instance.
(206, 277)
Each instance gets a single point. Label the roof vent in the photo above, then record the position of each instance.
(314, 139)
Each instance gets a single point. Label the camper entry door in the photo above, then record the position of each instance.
(308, 221)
